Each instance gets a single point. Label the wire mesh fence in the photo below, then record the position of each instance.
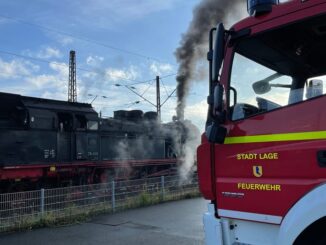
(22, 210)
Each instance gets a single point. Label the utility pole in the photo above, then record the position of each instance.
(72, 86)
(158, 98)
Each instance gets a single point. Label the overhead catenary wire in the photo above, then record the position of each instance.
(131, 88)
(148, 87)
(117, 106)
(167, 94)
(100, 96)
(146, 90)
(133, 82)
(85, 39)
(169, 97)
(59, 64)
(152, 82)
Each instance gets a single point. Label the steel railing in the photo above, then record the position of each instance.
(23, 210)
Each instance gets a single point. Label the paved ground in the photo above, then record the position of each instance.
(177, 223)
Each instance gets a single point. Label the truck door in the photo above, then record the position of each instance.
(275, 147)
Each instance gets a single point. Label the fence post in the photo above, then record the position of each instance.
(113, 195)
(162, 187)
(42, 202)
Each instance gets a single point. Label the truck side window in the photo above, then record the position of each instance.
(253, 94)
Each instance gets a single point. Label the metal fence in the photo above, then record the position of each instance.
(28, 209)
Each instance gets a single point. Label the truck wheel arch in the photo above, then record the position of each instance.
(307, 212)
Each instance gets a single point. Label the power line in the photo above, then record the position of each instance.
(146, 81)
(58, 64)
(153, 80)
(150, 85)
(169, 97)
(117, 106)
(80, 38)
(169, 75)
(167, 94)
(134, 82)
(11, 76)
(132, 90)
(33, 58)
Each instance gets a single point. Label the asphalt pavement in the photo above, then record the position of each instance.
(178, 222)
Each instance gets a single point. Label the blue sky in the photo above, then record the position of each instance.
(116, 41)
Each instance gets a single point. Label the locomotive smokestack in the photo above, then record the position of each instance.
(193, 45)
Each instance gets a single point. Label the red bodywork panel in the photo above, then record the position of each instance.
(204, 169)
(285, 178)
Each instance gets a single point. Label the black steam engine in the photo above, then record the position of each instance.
(55, 143)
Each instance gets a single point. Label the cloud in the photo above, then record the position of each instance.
(49, 52)
(101, 81)
(160, 69)
(44, 53)
(43, 81)
(94, 60)
(115, 75)
(62, 39)
(57, 95)
(62, 68)
(58, 80)
(16, 68)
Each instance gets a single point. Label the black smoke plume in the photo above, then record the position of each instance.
(194, 43)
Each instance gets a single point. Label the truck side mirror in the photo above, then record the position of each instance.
(218, 99)
(218, 54)
(261, 87)
(215, 133)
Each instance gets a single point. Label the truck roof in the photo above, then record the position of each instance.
(291, 40)
(278, 10)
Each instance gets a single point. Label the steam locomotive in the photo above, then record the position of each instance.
(47, 143)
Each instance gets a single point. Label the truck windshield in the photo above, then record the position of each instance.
(278, 68)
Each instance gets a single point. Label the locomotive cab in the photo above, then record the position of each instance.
(13, 114)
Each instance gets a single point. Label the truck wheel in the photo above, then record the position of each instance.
(314, 234)
(312, 241)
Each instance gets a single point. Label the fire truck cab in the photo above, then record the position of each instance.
(262, 159)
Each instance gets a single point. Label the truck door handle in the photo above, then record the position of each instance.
(321, 157)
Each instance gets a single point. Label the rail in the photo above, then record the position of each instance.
(23, 210)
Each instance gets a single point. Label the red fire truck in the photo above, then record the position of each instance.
(262, 159)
